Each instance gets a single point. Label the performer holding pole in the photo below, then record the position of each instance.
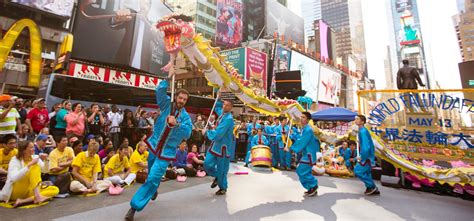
(171, 127)
(217, 159)
(308, 145)
(283, 141)
(365, 157)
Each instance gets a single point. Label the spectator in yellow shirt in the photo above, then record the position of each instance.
(139, 159)
(8, 151)
(126, 142)
(117, 170)
(85, 170)
(24, 178)
(60, 160)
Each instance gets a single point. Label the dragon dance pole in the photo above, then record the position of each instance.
(212, 110)
(289, 132)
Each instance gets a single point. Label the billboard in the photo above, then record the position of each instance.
(129, 41)
(280, 19)
(256, 68)
(282, 59)
(309, 73)
(402, 5)
(229, 23)
(236, 57)
(409, 32)
(330, 85)
(61, 8)
(323, 39)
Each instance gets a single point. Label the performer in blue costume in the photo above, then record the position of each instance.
(308, 145)
(363, 168)
(272, 136)
(172, 126)
(350, 155)
(259, 139)
(251, 131)
(284, 159)
(217, 159)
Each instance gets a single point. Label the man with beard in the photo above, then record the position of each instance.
(171, 127)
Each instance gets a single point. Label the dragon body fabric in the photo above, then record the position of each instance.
(179, 37)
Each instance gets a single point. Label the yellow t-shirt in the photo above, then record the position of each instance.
(87, 165)
(137, 158)
(116, 165)
(5, 159)
(57, 157)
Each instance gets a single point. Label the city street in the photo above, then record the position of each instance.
(259, 196)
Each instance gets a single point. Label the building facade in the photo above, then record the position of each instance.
(15, 74)
(464, 24)
(310, 11)
(407, 40)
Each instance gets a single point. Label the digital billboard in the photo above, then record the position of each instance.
(323, 39)
(236, 57)
(256, 69)
(282, 59)
(280, 19)
(330, 84)
(229, 23)
(61, 8)
(129, 41)
(402, 5)
(309, 73)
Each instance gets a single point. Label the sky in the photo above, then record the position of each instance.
(439, 37)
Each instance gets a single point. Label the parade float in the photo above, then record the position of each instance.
(438, 157)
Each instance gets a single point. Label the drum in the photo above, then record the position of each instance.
(141, 176)
(261, 156)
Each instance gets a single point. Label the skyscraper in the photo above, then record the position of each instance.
(345, 17)
(311, 11)
(464, 24)
(407, 40)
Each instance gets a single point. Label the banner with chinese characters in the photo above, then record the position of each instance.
(429, 133)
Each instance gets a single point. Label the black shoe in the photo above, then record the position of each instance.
(214, 183)
(372, 191)
(246, 165)
(154, 196)
(130, 214)
(221, 192)
(312, 192)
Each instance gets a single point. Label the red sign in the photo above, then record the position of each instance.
(94, 73)
(256, 68)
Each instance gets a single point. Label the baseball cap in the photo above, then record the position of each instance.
(73, 139)
(42, 137)
(39, 99)
(5, 97)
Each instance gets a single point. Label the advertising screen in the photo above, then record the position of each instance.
(129, 41)
(282, 59)
(62, 8)
(236, 57)
(309, 73)
(229, 23)
(330, 84)
(323, 39)
(280, 19)
(256, 73)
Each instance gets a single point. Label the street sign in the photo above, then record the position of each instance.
(471, 82)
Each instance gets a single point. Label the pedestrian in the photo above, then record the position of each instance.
(172, 126)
